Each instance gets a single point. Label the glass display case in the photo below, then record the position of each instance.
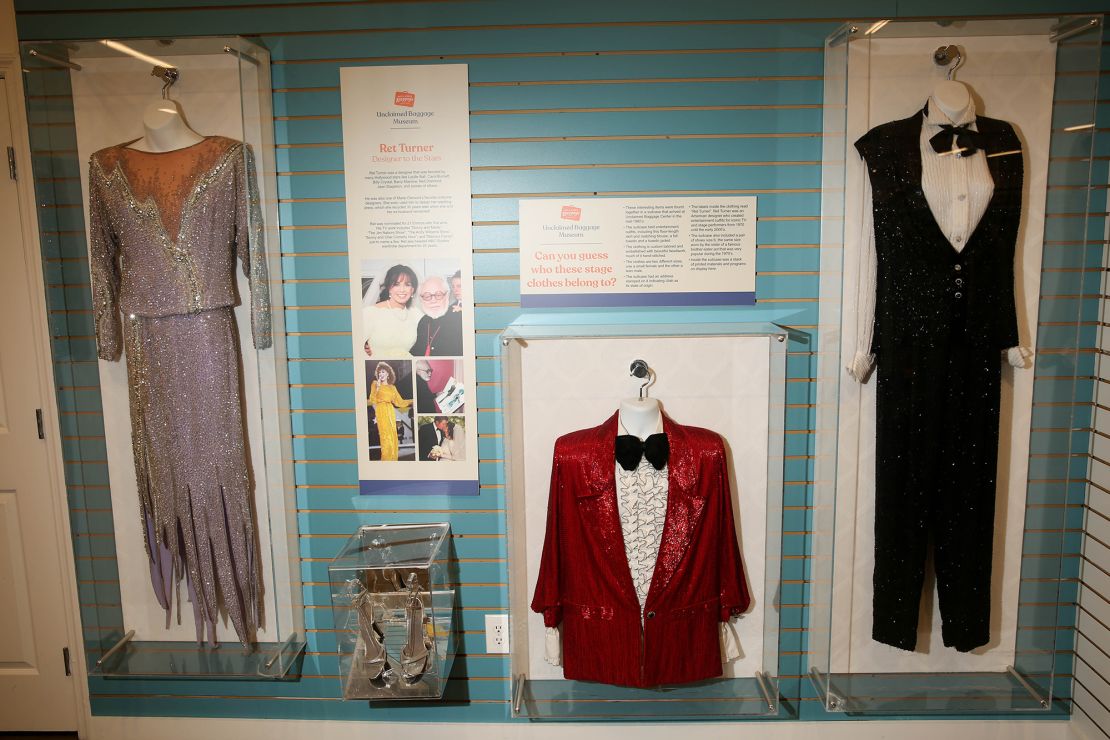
(1040, 75)
(95, 110)
(394, 612)
(564, 372)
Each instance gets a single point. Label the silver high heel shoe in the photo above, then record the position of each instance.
(375, 659)
(414, 656)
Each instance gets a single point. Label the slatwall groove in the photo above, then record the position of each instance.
(517, 56)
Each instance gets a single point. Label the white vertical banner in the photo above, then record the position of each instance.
(406, 157)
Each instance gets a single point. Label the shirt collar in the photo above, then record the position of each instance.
(934, 116)
(622, 430)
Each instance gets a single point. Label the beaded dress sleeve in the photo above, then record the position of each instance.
(250, 248)
(104, 273)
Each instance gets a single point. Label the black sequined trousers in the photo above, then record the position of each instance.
(936, 468)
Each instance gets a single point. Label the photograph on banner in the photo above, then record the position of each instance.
(409, 307)
(440, 386)
(442, 437)
(389, 413)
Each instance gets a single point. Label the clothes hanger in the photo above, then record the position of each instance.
(950, 95)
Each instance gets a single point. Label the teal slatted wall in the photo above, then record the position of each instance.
(570, 98)
(1063, 381)
(1092, 641)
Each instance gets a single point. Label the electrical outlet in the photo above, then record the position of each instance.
(497, 633)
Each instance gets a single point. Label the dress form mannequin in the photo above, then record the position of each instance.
(165, 129)
(641, 417)
(953, 98)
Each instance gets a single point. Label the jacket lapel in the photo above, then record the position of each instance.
(685, 507)
(597, 504)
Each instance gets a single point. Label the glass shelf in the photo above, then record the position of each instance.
(723, 698)
(929, 693)
(266, 661)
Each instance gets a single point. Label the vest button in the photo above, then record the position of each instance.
(959, 295)
(958, 267)
(651, 615)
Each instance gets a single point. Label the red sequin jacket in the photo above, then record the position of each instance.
(585, 583)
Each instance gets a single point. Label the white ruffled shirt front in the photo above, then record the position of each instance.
(642, 502)
(958, 190)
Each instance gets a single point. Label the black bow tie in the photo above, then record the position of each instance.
(630, 450)
(967, 140)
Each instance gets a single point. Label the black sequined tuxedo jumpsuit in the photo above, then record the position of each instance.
(942, 320)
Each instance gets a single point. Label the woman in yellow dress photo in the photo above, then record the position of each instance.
(383, 398)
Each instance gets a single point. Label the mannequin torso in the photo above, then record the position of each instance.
(165, 129)
(953, 98)
(641, 417)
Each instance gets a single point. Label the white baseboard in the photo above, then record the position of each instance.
(176, 728)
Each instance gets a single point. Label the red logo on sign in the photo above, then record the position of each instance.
(404, 98)
(571, 213)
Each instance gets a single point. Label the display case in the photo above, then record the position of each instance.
(563, 372)
(1039, 74)
(394, 612)
(102, 96)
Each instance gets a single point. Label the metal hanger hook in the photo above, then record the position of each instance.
(949, 56)
(952, 70)
(168, 75)
(640, 369)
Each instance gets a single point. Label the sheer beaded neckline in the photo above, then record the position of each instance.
(165, 178)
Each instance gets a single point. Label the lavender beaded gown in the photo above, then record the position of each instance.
(165, 230)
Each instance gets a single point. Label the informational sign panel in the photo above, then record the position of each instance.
(637, 252)
(406, 156)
